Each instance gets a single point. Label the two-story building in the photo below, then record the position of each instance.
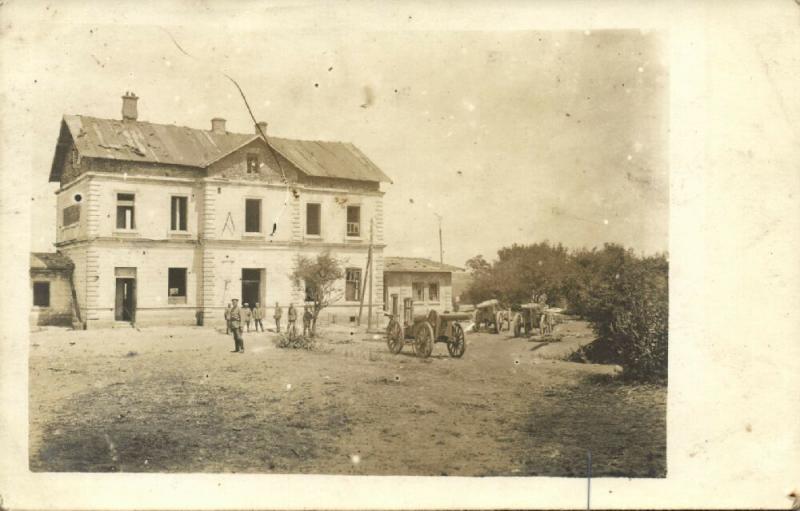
(166, 224)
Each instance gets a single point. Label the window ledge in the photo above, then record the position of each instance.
(353, 238)
(126, 233)
(176, 300)
(180, 234)
(253, 236)
(315, 237)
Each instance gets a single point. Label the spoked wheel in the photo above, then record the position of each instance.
(394, 337)
(498, 321)
(423, 341)
(457, 345)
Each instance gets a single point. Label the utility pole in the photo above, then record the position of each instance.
(367, 272)
(371, 271)
(441, 252)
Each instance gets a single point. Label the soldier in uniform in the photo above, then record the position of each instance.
(258, 313)
(307, 317)
(246, 315)
(277, 317)
(236, 326)
(292, 325)
(228, 319)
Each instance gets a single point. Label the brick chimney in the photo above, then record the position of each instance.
(129, 111)
(218, 125)
(262, 125)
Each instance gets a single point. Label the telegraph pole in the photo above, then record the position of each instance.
(368, 275)
(371, 270)
(441, 252)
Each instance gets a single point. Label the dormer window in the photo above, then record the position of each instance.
(252, 164)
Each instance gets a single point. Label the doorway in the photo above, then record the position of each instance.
(252, 286)
(125, 302)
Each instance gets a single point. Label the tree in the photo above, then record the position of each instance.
(318, 278)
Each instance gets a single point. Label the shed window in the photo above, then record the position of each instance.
(41, 294)
(313, 219)
(354, 221)
(177, 285)
(252, 213)
(125, 210)
(178, 213)
(433, 292)
(352, 290)
(252, 164)
(418, 290)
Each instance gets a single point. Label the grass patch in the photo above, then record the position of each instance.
(623, 425)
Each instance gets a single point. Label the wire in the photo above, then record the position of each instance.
(272, 151)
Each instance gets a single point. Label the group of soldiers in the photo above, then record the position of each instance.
(236, 316)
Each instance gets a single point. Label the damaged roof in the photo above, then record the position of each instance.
(329, 159)
(148, 142)
(50, 261)
(416, 264)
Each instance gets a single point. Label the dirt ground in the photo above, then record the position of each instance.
(178, 400)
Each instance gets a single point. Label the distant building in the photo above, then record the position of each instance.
(166, 224)
(51, 289)
(423, 283)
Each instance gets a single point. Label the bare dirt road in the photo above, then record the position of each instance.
(177, 400)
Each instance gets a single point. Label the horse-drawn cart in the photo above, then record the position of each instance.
(424, 330)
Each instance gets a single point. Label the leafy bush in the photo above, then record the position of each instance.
(297, 342)
(627, 301)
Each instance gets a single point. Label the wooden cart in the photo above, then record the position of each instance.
(423, 331)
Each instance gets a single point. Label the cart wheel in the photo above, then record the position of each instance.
(498, 322)
(423, 342)
(517, 325)
(394, 337)
(457, 344)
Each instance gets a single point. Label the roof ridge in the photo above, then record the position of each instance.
(211, 131)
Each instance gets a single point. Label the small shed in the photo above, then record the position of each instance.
(416, 281)
(51, 289)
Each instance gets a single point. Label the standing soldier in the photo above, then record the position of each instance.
(292, 325)
(228, 319)
(246, 315)
(236, 327)
(277, 317)
(258, 313)
(307, 317)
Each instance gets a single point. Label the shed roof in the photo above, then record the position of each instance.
(416, 264)
(50, 261)
(149, 142)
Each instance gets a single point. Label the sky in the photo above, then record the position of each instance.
(509, 136)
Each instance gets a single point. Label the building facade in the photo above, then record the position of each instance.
(166, 224)
(412, 283)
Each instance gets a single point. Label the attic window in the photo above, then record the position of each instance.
(76, 158)
(252, 164)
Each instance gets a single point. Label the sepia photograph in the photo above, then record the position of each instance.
(308, 255)
(362, 258)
